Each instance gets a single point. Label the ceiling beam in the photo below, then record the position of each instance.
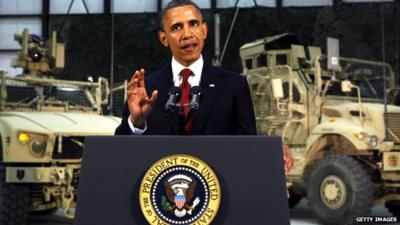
(45, 18)
(107, 7)
(159, 5)
(337, 2)
(279, 4)
(213, 5)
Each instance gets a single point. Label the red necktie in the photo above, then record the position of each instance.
(185, 87)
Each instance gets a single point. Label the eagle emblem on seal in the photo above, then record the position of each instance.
(180, 190)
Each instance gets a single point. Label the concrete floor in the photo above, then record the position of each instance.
(300, 215)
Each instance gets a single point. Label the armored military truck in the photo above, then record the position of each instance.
(337, 119)
(43, 124)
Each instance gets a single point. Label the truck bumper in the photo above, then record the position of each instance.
(55, 175)
(59, 185)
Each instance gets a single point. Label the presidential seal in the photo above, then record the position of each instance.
(180, 189)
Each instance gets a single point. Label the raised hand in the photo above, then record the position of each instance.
(140, 105)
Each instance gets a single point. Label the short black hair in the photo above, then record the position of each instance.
(174, 4)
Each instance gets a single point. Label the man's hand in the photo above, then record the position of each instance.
(140, 105)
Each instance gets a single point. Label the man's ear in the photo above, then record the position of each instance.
(162, 38)
(205, 28)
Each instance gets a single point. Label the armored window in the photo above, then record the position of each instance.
(20, 94)
(262, 60)
(296, 92)
(303, 63)
(249, 63)
(74, 96)
(281, 59)
(309, 78)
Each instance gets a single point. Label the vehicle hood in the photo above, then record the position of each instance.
(373, 122)
(369, 108)
(61, 122)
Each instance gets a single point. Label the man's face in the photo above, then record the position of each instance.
(184, 33)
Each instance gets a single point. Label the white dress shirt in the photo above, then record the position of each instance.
(194, 80)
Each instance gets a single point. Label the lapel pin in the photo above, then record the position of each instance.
(212, 85)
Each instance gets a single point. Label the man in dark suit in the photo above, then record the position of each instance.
(226, 107)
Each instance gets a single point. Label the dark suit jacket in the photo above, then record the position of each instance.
(226, 107)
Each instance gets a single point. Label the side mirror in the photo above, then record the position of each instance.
(277, 88)
(346, 86)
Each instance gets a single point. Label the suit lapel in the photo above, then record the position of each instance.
(164, 83)
(210, 86)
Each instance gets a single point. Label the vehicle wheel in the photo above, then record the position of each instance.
(339, 189)
(14, 203)
(393, 207)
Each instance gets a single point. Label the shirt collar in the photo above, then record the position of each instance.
(196, 68)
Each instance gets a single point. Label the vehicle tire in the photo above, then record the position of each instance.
(339, 189)
(393, 207)
(14, 202)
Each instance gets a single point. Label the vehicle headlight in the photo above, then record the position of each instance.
(38, 146)
(35, 143)
(360, 136)
(23, 137)
(373, 140)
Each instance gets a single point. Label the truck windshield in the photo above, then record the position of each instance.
(368, 77)
(23, 95)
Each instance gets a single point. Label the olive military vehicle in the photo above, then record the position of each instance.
(43, 124)
(337, 118)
